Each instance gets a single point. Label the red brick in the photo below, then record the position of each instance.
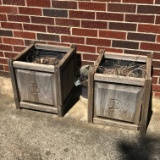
(1, 54)
(139, 18)
(148, 9)
(6, 68)
(18, 48)
(18, 18)
(3, 60)
(90, 57)
(1, 68)
(8, 9)
(156, 88)
(138, 1)
(157, 19)
(32, 27)
(84, 48)
(86, 63)
(30, 11)
(94, 24)
(92, 6)
(14, 2)
(81, 14)
(98, 42)
(13, 41)
(5, 47)
(58, 30)
(11, 25)
(156, 72)
(118, 7)
(64, 4)
(122, 26)
(150, 46)
(157, 1)
(29, 35)
(156, 64)
(3, 17)
(71, 39)
(156, 55)
(158, 38)
(42, 20)
(84, 32)
(38, 3)
(10, 54)
(148, 28)
(157, 94)
(154, 80)
(67, 22)
(109, 16)
(59, 43)
(107, 49)
(112, 34)
(106, 0)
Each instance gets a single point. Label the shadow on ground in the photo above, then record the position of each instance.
(143, 149)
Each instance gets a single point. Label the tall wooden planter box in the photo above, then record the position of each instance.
(43, 87)
(119, 100)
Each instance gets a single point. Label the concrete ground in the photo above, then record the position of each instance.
(31, 135)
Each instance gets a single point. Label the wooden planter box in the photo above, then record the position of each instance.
(118, 100)
(43, 87)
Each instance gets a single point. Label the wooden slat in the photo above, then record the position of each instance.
(51, 47)
(127, 57)
(91, 86)
(39, 107)
(147, 96)
(119, 79)
(14, 84)
(33, 66)
(115, 123)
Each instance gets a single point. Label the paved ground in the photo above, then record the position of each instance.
(30, 135)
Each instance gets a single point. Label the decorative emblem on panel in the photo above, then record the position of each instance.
(34, 89)
(114, 104)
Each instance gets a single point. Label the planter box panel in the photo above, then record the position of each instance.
(116, 101)
(67, 80)
(37, 87)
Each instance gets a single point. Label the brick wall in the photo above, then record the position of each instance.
(123, 26)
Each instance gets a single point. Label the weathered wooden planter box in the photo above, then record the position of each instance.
(119, 100)
(43, 87)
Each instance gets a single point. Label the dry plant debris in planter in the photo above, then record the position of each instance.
(122, 68)
(44, 57)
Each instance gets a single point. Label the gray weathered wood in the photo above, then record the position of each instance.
(33, 66)
(37, 87)
(115, 123)
(146, 98)
(127, 57)
(117, 101)
(14, 84)
(51, 47)
(40, 107)
(119, 79)
(91, 85)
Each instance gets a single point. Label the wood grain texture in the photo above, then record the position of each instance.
(127, 57)
(33, 66)
(14, 84)
(119, 124)
(119, 79)
(39, 107)
(117, 101)
(37, 87)
(91, 86)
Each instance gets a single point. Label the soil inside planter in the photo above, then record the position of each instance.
(122, 68)
(45, 57)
